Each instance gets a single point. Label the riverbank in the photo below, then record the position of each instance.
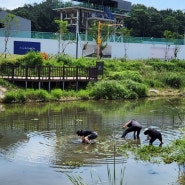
(121, 80)
(151, 93)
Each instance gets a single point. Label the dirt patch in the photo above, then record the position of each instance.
(166, 92)
(2, 91)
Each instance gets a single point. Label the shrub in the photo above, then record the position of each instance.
(20, 97)
(9, 97)
(70, 93)
(32, 58)
(154, 83)
(174, 80)
(135, 87)
(181, 64)
(113, 90)
(161, 66)
(108, 90)
(124, 75)
(42, 95)
(133, 65)
(83, 94)
(65, 60)
(56, 93)
(37, 95)
(14, 97)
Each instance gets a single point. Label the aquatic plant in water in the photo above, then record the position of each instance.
(174, 152)
(72, 164)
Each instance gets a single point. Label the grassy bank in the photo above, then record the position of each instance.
(121, 79)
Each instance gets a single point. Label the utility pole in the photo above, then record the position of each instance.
(99, 40)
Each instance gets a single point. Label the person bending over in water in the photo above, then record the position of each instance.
(133, 126)
(152, 135)
(87, 135)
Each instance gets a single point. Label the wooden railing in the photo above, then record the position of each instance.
(48, 73)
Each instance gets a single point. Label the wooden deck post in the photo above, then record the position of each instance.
(38, 68)
(63, 75)
(49, 75)
(12, 71)
(76, 78)
(26, 81)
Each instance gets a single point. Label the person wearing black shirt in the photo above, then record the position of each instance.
(87, 135)
(152, 135)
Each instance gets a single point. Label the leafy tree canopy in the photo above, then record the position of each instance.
(143, 21)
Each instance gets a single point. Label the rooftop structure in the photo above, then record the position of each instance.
(78, 13)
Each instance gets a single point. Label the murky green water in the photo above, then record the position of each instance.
(38, 140)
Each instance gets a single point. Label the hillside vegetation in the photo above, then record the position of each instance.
(122, 79)
(142, 22)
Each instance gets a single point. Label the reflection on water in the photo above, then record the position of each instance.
(37, 140)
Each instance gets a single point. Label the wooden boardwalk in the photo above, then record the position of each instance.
(48, 74)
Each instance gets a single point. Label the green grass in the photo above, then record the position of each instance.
(122, 79)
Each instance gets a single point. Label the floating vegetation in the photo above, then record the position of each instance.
(174, 152)
(72, 164)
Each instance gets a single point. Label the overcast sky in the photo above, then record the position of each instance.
(158, 4)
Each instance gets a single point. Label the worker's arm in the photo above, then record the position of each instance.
(126, 124)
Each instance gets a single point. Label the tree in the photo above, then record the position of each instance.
(41, 15)
(63, 35)
(170, 23)
(168, 36)
(142, 22)
(176, 37)
(138, 21)
(8, 22)
(84, 47)
(154, 24)
(171, 37)
(125, 33)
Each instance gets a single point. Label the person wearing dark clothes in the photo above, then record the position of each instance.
(133, 126)
(152, 135)
(87, 135)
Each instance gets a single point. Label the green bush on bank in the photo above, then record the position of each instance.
(32, 58)
(124, 75)
(21, 96)
(139, 89)
(56, 94)
(115, 90)
(108, 90)
(14, 97)
(174, 80)
(162, 66)
(83, 94)
(31, 95)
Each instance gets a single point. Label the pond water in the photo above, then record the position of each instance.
(38, 142)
